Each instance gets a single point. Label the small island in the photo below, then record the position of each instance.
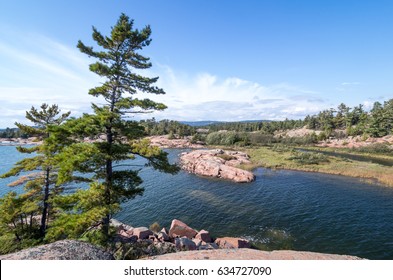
(218, 164)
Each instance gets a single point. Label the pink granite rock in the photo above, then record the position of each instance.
(180, 229)
(162, 236)
(236, 174)
(217, 163)
(142, 232)
(126, 233)
(185, 244)
(204, 236)
(232, 243)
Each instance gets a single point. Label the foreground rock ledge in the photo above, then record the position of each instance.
(217, 163)
(250, 254)
(61, 250)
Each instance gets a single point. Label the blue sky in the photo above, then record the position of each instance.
(217, 60)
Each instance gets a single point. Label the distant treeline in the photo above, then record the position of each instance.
(353, 121)
(338, 123)
(12, 133)
(164, 127)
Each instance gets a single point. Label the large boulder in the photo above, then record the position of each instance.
(204, 236)
(208, 246)
(185, 244)
(232, 243)
(142, 232)
(180, 229)
(162, 236)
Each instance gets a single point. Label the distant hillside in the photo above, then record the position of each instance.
(199, 123)
(206, 123)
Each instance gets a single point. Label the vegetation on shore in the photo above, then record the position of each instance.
(283, 157)
(44, 212)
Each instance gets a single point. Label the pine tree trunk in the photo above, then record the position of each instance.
(109, 168)
(108, 185)
(46, 205)
(15, 232)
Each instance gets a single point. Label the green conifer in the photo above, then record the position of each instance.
(115, 138)
(27, 214)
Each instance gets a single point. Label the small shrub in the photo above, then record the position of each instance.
(261, 138)
(308, 157)
(155, 227)
(377, 148)
(322, 136)
(281, 148)
(304, 140)
(365, 136)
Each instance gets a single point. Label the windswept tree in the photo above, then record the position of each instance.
(38, 174)
(118, 62)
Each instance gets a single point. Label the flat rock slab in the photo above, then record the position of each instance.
(250, 254)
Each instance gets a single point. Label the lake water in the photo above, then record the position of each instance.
(280, 210)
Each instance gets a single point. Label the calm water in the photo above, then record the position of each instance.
(280, 210)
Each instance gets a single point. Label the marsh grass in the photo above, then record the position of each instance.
(269, 158)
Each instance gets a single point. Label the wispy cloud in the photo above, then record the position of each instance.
(350, 83)
(347, 86)
(44, 70)
(205, 97)
(36, 69)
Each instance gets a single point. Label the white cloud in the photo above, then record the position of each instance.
(350, 83)
(37, 69)
(207, 97)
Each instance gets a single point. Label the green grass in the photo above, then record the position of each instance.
(270, 158)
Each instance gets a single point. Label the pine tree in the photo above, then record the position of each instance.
(40, 183)
(118, 59)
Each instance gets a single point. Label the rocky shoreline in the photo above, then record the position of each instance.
(218, 164)
(181, 242)
(19, 141)
(356, 142)
(163, 142)
(180, 237)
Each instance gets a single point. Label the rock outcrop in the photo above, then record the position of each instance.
(180, 229)
(250, 254)
(356, 142)
(164, 142)
(142, 242)
(218, 164)
(160, 246)
(61, 250)
(142, 232)
(232, 243)
(204, 236)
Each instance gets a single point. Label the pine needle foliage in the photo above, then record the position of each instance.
(115, 138)
(26, 215)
